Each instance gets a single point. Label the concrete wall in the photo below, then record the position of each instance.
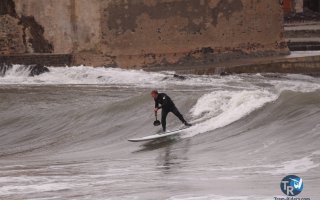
(139, 33)
(70, 25)
(179, 31)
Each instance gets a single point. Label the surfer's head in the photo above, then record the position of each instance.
(154, 93)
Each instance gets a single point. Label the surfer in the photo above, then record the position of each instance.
(167, 105)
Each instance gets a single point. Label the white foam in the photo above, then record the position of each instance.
(221, 108)
(295, 85)
(86, 75)
(18, 74)
(294, 166)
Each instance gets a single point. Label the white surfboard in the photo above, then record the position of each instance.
(159, 135)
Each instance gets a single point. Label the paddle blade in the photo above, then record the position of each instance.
(156, 123)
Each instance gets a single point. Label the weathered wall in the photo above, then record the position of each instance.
(70, 25)
(179, 31)
(11, 35)
(20, 34)
(140, 33)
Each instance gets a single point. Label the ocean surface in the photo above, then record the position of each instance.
(63, 135)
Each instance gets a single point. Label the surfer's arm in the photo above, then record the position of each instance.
(156, 105)
(166, 101)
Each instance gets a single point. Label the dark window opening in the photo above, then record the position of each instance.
(313, 5)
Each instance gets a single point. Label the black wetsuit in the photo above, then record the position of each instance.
(167, 106)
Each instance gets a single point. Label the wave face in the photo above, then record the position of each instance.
(64, 135)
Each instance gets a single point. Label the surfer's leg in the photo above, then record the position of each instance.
(164, 114)
(176, 112)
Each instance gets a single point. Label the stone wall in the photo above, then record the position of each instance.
(11, 35)
(70, 25)
(150, 32)
(144, 33)
(20, 34)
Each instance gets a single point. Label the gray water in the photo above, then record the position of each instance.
(63, 135)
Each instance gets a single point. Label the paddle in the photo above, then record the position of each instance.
(157, 122)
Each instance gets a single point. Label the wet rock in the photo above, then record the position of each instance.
(272, 75)
(4, 68)
(179, 77)
(37, 39)
(225, 73)
(37, 70)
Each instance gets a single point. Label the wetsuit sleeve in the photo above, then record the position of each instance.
(156, 104)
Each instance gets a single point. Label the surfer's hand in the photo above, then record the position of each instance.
(156, 109)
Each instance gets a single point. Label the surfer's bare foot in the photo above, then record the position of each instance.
(187, 124)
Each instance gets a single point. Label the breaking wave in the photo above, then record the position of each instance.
(64, 134)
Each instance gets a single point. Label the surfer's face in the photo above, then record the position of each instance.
(154, 95)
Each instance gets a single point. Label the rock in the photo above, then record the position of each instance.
(37, 70)
(225, 73)
(4, 68)
(179, 77)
